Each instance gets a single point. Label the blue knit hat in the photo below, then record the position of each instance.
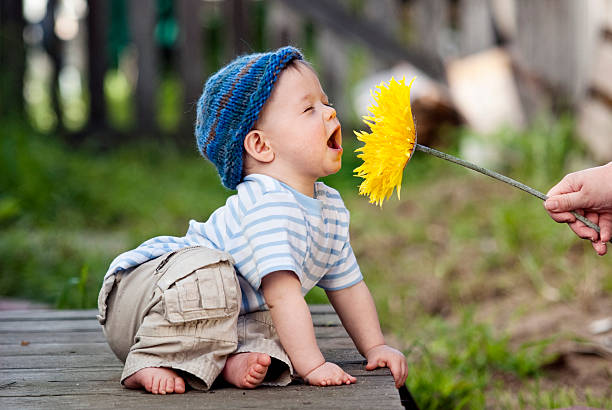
(230, 104)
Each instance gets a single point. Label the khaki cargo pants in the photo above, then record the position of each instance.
(182, 311)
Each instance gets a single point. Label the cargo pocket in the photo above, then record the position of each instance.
(199, 284)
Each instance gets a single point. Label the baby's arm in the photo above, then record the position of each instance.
(283, 294)
(357, 312)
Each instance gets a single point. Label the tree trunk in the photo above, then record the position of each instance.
(283, 25)
(334, 66)
(12, 58)
(97, 23)
(53, 47)
(431, 18)
(238, 28)
(142, 17)
(475, 27)
(553, 44)
(190, 56)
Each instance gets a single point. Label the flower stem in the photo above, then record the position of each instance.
(500, 177)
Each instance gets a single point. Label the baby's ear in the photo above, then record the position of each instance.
(257, 146)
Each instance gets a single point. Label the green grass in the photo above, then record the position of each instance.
(458, 363)
(452, 266)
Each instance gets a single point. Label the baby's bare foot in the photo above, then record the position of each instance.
(246, 370)
(156, 380)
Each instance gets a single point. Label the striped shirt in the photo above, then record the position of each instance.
(266, 227)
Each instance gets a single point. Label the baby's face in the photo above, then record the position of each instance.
(302, 127)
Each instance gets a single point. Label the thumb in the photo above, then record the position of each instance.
(565, 202)
(375, 363)
(372, 364)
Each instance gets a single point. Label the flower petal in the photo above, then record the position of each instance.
(389, 144)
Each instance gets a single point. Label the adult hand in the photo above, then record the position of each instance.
(589, 193)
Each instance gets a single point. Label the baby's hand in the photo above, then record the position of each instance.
(329, 374)
(385, 356)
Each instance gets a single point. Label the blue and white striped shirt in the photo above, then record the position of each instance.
(266, 227)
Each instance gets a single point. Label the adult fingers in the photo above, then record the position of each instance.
(605, 224)
(600, 247)
(566, 202)
(584, 231)
(562, 217)
(562, 187)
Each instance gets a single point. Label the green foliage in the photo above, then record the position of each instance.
(537, 156)
(58, 205)
(456, 364)
(169, 100)
(118, 91)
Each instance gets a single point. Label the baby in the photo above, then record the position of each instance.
(226, 301)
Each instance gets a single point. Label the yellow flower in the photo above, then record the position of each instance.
(390, 144)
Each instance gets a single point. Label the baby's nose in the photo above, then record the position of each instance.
(331, 112)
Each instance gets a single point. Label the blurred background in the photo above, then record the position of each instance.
(494, 304)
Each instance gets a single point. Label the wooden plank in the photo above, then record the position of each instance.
(594, 126)
(54, 349)
(608, 15)
(72, 361)
(475, 26)
(42, 314)
(367, 393)
(335, 16)
(319, 309)
(68, 364)
(104, 380)
(75, 325)
(95, 374)
(486, 77)
(59, 375)
(330, 332)
(602, 69)
(95, 336)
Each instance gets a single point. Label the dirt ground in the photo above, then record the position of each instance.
(583, 354)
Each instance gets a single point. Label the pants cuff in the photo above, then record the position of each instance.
(199, 377)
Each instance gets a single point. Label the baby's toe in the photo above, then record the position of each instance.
(169, 385)
(162, 385)
(264, 359)
(148, 384)
(155, 385)
(179, 385)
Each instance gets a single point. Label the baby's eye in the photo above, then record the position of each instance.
(329, 104)
(308, 108)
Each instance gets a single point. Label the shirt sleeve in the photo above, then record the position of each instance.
(276, 236)
(344, 274)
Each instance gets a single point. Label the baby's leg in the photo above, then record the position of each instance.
(246, 370)
(180, 319)
(156, 380)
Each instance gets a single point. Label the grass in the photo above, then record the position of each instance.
(454, 266)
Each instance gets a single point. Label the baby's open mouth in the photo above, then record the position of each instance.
(335, 141)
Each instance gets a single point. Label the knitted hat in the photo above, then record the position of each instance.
(230, 104)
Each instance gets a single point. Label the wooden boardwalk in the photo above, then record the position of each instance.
(59, 359)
